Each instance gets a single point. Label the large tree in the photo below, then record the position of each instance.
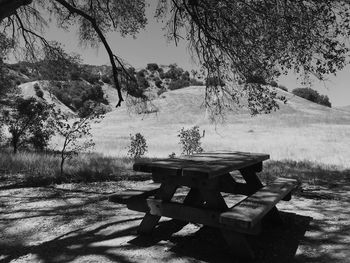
(238, 41)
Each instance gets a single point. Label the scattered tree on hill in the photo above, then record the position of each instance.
(57, 64)
(283, 87)
(76, 135)
(312, 95)
(138, 146)
(190, 140)
(25, 120)
(152, 66)
(5, 82)
(251, 40)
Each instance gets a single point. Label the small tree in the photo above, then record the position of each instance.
(76, 135)
(27, 116)
(190, 140)
(138, 146)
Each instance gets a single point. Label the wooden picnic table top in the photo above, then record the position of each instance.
(208, 164)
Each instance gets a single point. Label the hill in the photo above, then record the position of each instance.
(299, 130)
(344, 108)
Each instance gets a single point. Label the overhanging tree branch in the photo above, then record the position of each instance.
(111, 56)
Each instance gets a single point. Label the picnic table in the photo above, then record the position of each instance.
(207, 175)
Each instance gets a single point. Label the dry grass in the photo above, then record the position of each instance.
(37, 169)
(300, 130)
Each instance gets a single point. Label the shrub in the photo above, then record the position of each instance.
(273, 83)
(173, 73)
(283, 87)
(158, 84)
(106, 79)
(195, 82)
(38, 91)
(138, 146)
(214, 82)
(178, 84)
(152, 66)
(312, 95)
(190, 140)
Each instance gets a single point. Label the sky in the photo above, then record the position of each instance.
(151, 46)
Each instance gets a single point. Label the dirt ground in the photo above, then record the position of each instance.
(76, 223)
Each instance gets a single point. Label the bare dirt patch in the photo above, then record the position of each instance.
(76, 223)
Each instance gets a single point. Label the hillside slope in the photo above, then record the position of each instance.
(27, 90)
(299, 130)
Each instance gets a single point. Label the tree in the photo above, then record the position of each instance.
(27, 118)
(76, 135)
(312, 95)
(252, 41)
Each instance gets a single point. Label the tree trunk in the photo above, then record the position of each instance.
(62, 164)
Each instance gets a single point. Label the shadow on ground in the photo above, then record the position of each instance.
(117, 242)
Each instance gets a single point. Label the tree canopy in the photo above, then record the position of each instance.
(247, 42)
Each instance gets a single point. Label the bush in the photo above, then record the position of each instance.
(138, 146)
(273, 83)
(173, 73)
(195, 82)
(190, 140)
(158, 84)
(283, 87)
(152, 66)
(178, 84)
(214, 82)
(106, 79)
(312, 95)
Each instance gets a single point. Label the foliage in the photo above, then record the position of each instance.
(190, 140)
(138, 146)
(173, 73)
(27, 121)
(158, 84)
(152, 66)
(76, 135)
(38, 91)
(257, 41)
(312, 95)
(214, 82)
(106, 79)
(57, 64)
(273, 83)
(76, 93)
(178, 84)
(5, 83)
(25, 21)
(283, 87)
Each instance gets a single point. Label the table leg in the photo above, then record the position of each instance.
(254, 184)
(165, 192)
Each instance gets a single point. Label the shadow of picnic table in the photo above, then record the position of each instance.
(117, 241)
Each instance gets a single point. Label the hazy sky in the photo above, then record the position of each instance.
(151, 46)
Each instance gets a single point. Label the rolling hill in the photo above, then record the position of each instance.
(299, 130)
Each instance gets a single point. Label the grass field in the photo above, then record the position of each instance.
(300, 130)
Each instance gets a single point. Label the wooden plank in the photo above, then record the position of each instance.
(187, 213)
(225, 183)
(142, 192)
(252, 209)
(202, 165)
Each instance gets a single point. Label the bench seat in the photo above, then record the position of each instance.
(127, 195)
(247, 213)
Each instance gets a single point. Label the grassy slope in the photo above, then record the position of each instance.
(299, 130)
